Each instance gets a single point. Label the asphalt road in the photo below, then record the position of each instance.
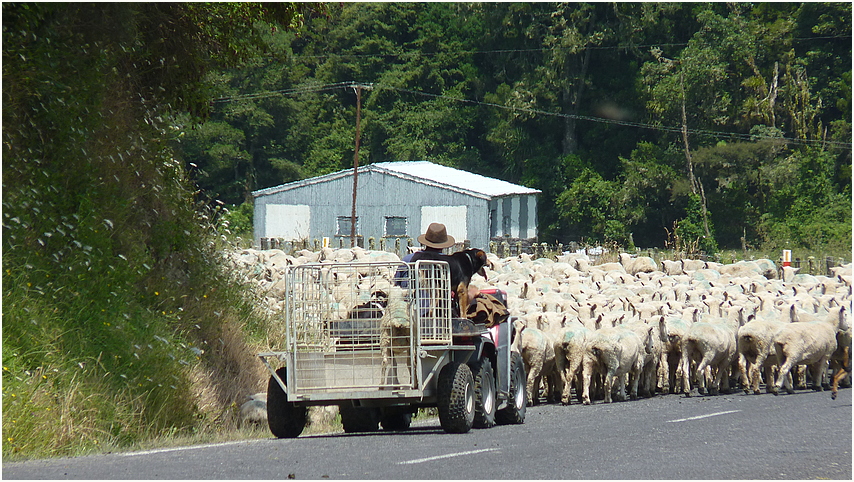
(802, 436)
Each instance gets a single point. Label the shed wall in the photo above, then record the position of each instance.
(378, 196)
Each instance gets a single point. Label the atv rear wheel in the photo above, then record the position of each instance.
(286, 419)
(456, 400)
(514, 412)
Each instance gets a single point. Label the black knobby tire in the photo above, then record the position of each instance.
(484, 393)
(455, 398)
(286, 419)
(359, 419)
(514, 412)
(395, 419)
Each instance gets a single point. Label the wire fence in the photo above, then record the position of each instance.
(509, 247)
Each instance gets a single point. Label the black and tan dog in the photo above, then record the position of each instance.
(462, 265)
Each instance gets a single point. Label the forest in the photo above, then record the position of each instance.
(725, 123)
(134, 134)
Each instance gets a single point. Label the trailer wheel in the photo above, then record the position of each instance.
(456, 400)
(484, 393)
(514, 412)
(286, 419)
(396, 419)
(359, 419)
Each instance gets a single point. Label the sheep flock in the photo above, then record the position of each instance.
(635, 328)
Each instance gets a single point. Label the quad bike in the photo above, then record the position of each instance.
(379, 341)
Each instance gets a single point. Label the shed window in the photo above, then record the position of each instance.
(395, 226)
(345, 227)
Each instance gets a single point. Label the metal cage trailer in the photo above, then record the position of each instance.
(379, 341)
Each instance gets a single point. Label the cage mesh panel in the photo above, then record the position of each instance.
(335, 328)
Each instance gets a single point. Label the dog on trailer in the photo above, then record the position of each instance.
(462, 266)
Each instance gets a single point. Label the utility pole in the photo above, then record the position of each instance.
(358, 88)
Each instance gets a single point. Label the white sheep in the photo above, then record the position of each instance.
(538, 355)
(615, 353)
(639, 264)
(711, 343)
(254, 411)
(756, 351)
(808, 343)
(569, 355)
(395, 328)
(650, 356)
(673, 330)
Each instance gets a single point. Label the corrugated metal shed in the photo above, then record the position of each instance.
(397, 200)
(455, 178)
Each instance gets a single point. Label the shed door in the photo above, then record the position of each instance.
(288, 221)
(453, 217)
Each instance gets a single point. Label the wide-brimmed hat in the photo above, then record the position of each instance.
(436, 237)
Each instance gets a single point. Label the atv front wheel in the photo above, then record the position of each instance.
(514, 412)
(484, 392)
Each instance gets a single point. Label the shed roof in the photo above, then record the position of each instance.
(425, 172)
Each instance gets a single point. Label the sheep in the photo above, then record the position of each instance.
(254, 411)
(808, 343)
(538, 355)
(673, 330)
(544, 290)
(395, 328)
(690, 265)
(615, 353)
(569, 354)
(651, 355)
(671, 267)
(635, 265)
(711, 343)
(756, 352)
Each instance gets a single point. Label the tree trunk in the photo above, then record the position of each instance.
(689, 162)
(573, 98)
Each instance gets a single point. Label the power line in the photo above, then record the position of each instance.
(510, 51)
(310, 88)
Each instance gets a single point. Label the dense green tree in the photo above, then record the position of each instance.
(666, 99)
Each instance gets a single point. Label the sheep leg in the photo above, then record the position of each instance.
(769, 380)
(756, 373)
(702, 372)
(801, 372)
(785, 369)
(672, 369)
(817, 371)
(664, 368)
(634, 381)
(586, 375)
(745, 369)
(686, 374)
(609, 385)
(721, 380)
(533, 385)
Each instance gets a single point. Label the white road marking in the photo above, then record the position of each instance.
(177, 449)
(698, 417)
(439, 457)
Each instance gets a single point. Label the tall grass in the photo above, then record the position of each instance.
(121, 322)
